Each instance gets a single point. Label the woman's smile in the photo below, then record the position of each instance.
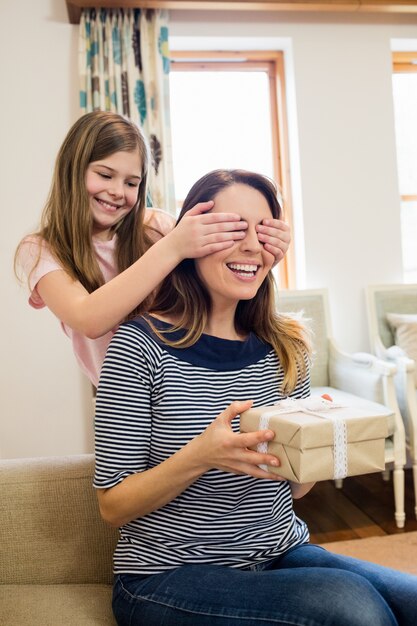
(243, 270)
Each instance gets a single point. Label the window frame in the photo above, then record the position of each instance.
(272, 62)
(404, 63)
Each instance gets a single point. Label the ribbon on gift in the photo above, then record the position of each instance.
(320, 407)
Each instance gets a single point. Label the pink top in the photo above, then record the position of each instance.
(89, 353)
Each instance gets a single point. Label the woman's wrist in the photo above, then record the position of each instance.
(195, 451)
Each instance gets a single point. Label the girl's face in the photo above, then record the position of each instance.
(238, 272)
(112, 185)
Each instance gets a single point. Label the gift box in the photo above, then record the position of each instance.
(316, 439)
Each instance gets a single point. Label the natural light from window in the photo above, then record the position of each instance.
(219, 119)
(405, 106)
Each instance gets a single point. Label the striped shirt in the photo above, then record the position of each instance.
(152, 399)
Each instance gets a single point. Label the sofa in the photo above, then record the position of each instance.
(55, 550)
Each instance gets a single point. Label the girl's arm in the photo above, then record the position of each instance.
(94, 314)
(217, 447)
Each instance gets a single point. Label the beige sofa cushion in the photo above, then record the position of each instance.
(56, 605)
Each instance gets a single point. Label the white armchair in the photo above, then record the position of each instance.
(351, 377)
(400, 299)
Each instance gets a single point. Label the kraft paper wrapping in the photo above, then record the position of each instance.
(305, 438)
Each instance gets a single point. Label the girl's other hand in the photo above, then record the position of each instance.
(275, 236)
(200, 233)
(221, 448)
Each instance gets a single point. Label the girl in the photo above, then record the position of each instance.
(91, 263)
(207, 537)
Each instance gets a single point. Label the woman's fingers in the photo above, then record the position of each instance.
(234, 409)
(256, 472)
(234, 452)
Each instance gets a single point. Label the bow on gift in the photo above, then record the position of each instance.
(320, 407)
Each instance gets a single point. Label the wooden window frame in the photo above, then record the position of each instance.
(405, 63)
(273, 63)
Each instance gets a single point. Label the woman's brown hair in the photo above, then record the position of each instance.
(183, 296)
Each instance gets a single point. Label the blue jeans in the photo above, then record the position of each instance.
(307, 586)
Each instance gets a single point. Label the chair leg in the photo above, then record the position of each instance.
(415, 487)
(399, 496)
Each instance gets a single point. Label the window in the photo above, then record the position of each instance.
(227, 111)
(405, 109)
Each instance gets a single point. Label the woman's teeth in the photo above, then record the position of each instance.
(243, 269)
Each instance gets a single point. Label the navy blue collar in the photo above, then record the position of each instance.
(208, 352)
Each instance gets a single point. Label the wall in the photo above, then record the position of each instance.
(43, 405)
(346, 185)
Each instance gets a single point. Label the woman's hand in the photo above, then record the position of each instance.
(275, 236)
(200, 233)
(223, 449)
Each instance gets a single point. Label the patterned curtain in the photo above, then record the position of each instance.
(124, 67)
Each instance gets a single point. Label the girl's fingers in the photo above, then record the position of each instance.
(218, 218)
(224, 226)
(272, 234)
(277, 224)
(275, 236)
(201, 207)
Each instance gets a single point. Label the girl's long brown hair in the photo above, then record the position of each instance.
(183, 296)
(66, 222)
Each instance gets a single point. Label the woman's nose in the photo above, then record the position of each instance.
(250, 241)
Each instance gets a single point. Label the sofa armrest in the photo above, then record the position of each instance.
(53, 530)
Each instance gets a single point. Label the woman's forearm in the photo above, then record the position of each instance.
(145, 492)
(298, 491)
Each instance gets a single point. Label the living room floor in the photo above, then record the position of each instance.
(364, 507)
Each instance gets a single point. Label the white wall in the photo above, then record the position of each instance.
(348, 186)
(43, 405)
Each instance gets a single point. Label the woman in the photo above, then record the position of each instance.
(207, 537)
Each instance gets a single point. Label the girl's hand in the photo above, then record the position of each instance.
(223, 449)
(200, 233)
(275, 236)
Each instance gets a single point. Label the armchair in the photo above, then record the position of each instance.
(400, 299)
(350, 378)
